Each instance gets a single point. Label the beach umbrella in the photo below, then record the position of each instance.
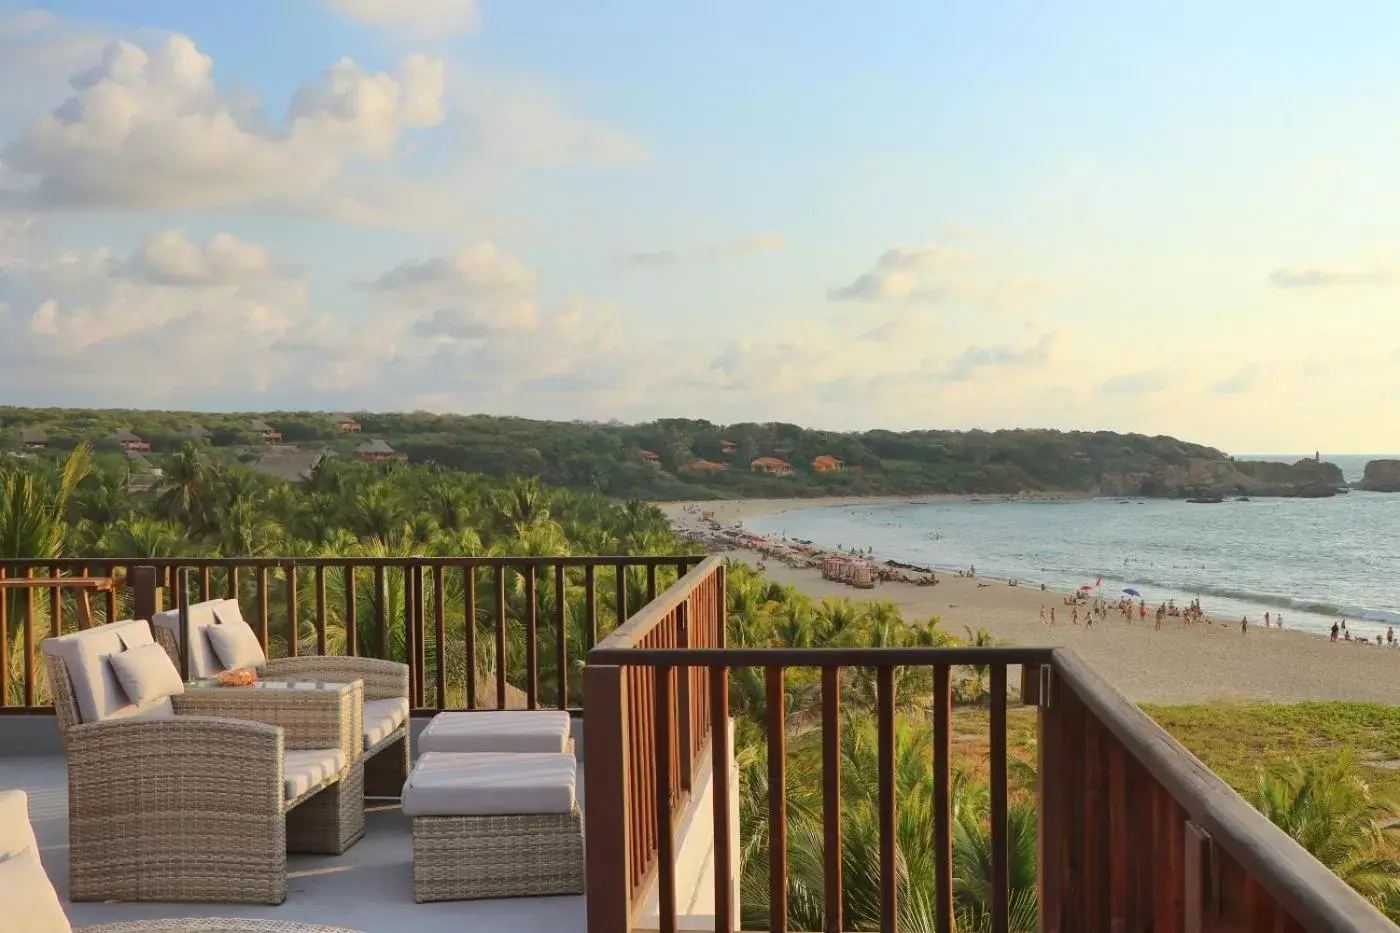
(1132, 592)
(1087, 586)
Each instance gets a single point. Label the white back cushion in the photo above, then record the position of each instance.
(203, 663)
(232, 639)
(146, 674)
(95, 688)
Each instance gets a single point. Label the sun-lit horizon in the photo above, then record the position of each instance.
(908, 216)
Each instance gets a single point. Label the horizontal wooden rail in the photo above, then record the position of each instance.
(1162, 841)
(431, 613)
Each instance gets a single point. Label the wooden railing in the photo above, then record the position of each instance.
(526, 622)
(1134, 833)
(646, 735)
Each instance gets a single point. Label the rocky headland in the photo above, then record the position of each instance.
(1381, 476)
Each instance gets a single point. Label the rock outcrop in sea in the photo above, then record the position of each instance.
(1381, 476)
(1205, 479)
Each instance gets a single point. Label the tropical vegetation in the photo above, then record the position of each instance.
(81, 505)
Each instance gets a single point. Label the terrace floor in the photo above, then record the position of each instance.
(368, 888)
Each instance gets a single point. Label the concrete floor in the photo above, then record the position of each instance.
(368, 889)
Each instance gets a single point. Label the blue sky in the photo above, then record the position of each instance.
(1169, 218)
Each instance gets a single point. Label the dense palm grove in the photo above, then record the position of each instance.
(70, 508)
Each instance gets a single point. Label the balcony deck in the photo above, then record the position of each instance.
(368, 888)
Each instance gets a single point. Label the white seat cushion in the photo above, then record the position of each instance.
(96, 690)
(30, 902)
(447, 784)
(146, 673)
(497, 731)
(303, 769)
(26, 896)
(382, 717)
(203, 663)
(16, 833)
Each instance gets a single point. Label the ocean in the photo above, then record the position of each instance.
(1313, 560)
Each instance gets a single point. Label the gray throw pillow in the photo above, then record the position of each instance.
(146, 673)
(235, 644)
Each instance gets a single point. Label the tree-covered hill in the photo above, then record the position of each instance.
(682, 458)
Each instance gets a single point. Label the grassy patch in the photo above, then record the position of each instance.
(1235, 739)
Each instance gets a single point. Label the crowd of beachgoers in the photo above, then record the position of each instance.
(1192, 656)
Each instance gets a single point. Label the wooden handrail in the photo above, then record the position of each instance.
(1314, 897)
(628, 637)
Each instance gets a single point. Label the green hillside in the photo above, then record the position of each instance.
(610, 458)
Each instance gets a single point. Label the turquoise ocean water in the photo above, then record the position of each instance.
(1314, 560)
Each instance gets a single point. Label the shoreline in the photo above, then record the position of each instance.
(1178, 664)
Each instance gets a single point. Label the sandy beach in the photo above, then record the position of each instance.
(1175, 665)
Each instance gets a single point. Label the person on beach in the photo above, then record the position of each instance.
(1266, 620)
(1279, 620)
(1334, 631)
(1052, 616)
(1074, 617)
(1244, 625)
(1390, 635)
(1042, 615)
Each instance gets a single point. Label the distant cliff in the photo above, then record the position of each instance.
(1381, 476)
(1206, 478)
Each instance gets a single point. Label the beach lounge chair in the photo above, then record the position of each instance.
(386, 725)
(165, 806)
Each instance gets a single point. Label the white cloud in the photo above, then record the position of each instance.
(1134, 384)
(748, 246)
(520, 123)
(1326, 276)
(169, 258)
(906, 273)
(421, 18)
(976, 358)
(151, 131)
(476, 292)
(1240, 382)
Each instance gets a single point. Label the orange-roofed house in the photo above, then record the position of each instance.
(774, 465)
(704, 466)
(651, 458)
(728, 447)
(826, 464)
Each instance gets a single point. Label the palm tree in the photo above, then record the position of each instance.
(522, 503)
(1330, 810)
(187, 496)
(34, 507)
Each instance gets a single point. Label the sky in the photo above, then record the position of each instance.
(1164, 217)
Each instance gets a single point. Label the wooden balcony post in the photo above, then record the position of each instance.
(608, 844)
(144, 592)
(1051, 804)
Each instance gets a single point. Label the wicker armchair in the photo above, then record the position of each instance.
(210, 925)
(170, 807)
(43, 913)
(386, 724)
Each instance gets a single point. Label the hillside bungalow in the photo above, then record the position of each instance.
(728, 447)
(266, 431)
(651, 458)
(129, 440)
(32, 439)
(704, 466)
(346, 423)
(197, 432)
(773, 465)
(288, 464)
(828, 464)
(376, 451)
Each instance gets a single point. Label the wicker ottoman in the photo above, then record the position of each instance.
(499, 731)
(494, 825)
